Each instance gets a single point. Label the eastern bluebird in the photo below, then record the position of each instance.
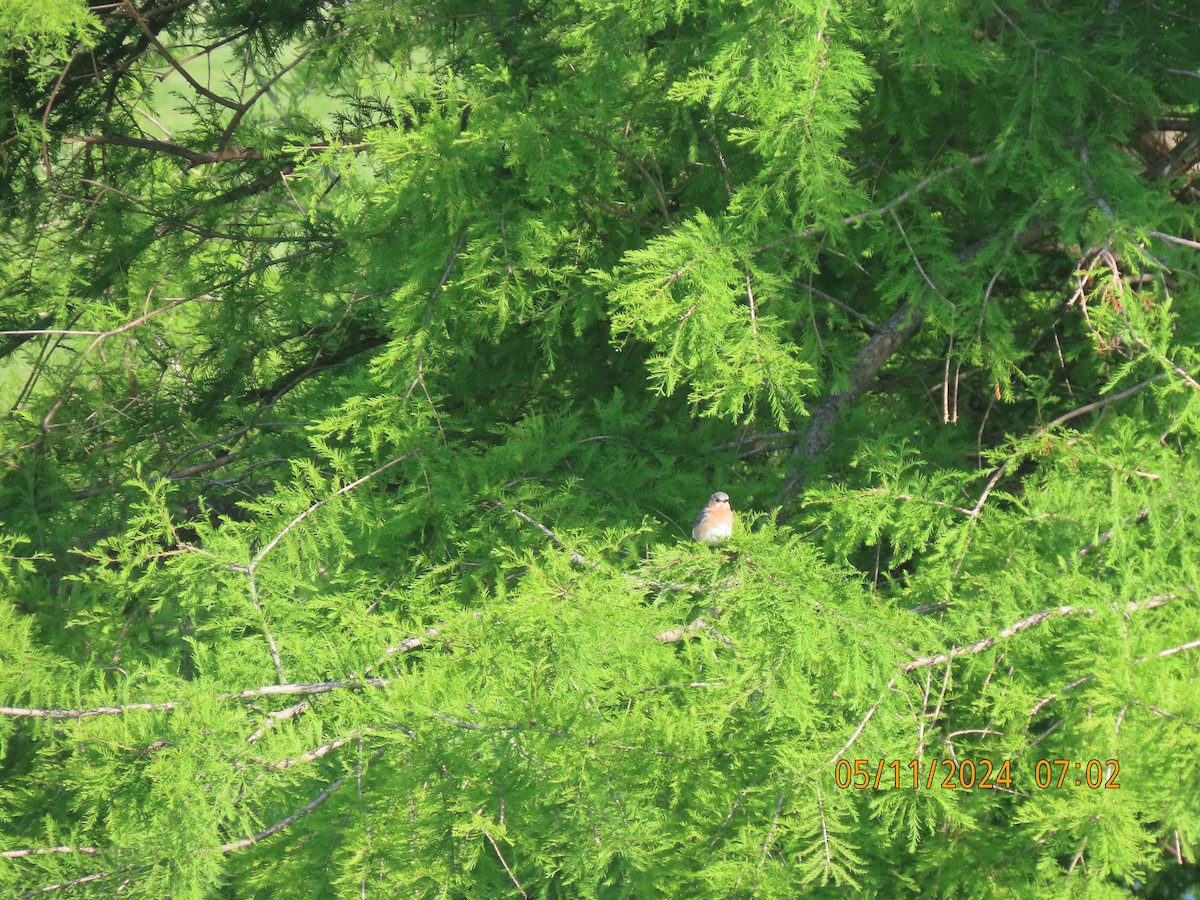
(715, 522)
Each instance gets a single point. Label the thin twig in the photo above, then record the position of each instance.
(244, 108)
(824, 824)
(62, 885)
(766, 847)
(1065, 417)
(1037, 707)
(262, 616)
(863, 724)
(577, 558)
(282, 690)
(308, 512)
(133, 13)
(500, 856)
(733, 810)
(882, 210)
(284, 823)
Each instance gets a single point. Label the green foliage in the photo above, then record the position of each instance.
(683, 295)
(366, 364)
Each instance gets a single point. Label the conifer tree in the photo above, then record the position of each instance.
(364, 366)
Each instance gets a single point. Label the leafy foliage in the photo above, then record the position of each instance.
(366, 363)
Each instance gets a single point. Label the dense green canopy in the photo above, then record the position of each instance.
(364, 365)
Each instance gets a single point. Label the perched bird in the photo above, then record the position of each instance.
(715, 522)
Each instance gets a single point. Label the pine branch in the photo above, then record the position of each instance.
(1063, 419)
(19, 712)
(1017, 627)
(1088, 679)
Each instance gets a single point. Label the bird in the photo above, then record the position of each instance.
(715, 522)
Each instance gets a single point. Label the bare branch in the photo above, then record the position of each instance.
(282, 690)
(318, 687)
(500, 856)
(898, 200)
(85, 713)
(678, 634)
(1037, 707)
(824, 825)
(406, 646)
(274, 718)
(62, 885)
(1171, 651)
(39, 851)
(312, 509)
(312, 755)
(244, 108)
(284, 823)
(886, 341)
(1029, 622)
(863, 724)
(766, 847)
(262, 616)
(195, 157)
(133, 13)
(577, 559)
